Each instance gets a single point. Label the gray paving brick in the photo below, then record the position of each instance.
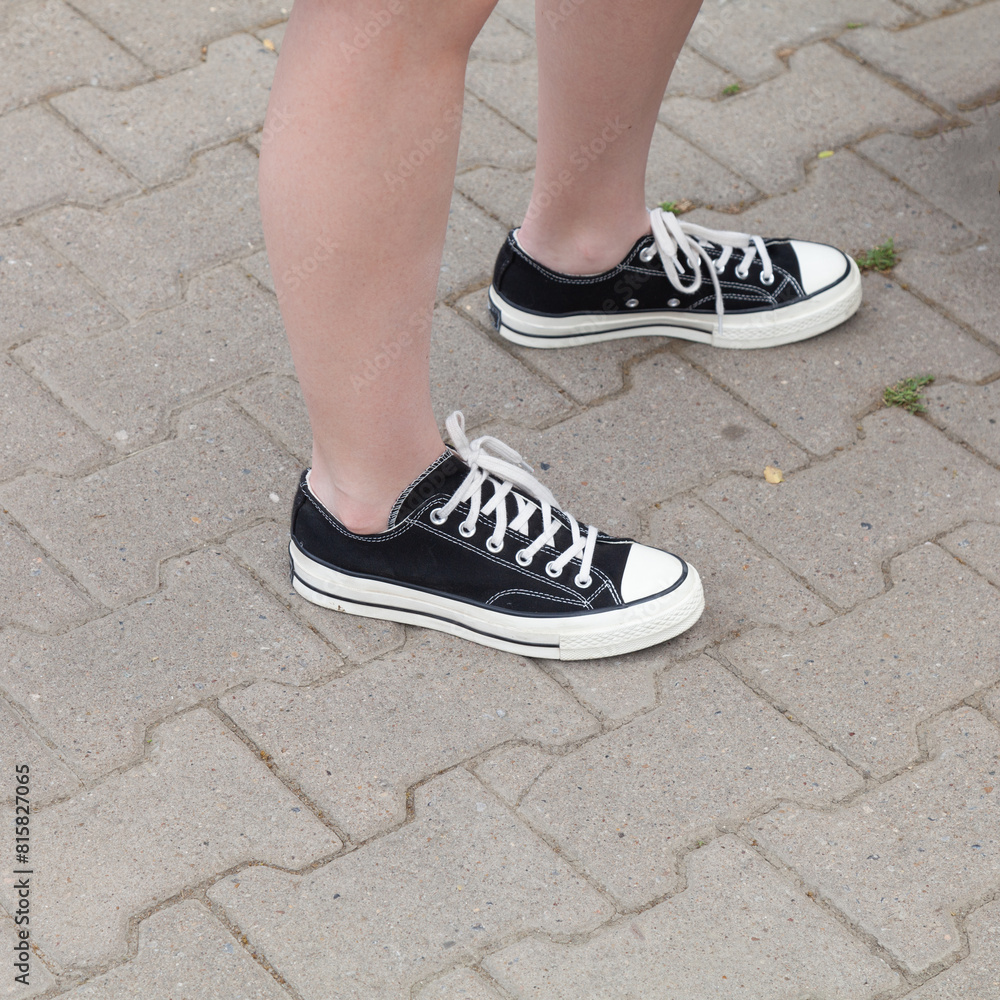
(708, 756)
(487, 139)
(837, 522)
(112, 527)
(39, 978)
(956, 170)
(38, 432)
(509, 88)
(184, 947)
(695, 76)
(470, 248)
(127, 383)
(49, 777)
(459, 984)
(141, 250)
(257, 266)
(924, 56)
(977, 545)
(33, 593)
(156, 128)
(867, 679)
(94, 690)
(169, 36)
(198, 803)
(977, 975)
(40, 292)
(43, 162)
(738, 929)
(991, 703)
(813, 390)
(672, 431)
(275, 401)
(501, 41)
(463, 876)
(264, 548)
(273, 33)
(518, 12)
(509, 771)
(969, 412)
(823, 101)
(900, 861)
(46, 47)
(355, 744)
(745, 37)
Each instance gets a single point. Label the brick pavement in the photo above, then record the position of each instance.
(239, 794)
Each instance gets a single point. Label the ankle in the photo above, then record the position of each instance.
(363, 516)
(581, 252)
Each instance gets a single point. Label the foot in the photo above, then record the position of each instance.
(477, 547)
(721, 288)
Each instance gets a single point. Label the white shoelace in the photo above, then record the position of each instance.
(672, 237)
(503, 470)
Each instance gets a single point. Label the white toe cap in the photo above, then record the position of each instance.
(649, 571)
(819, 264)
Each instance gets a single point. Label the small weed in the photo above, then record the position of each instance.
(733, 88)
(907, 393)
(879, 258)
(855, 24)
(677, 207)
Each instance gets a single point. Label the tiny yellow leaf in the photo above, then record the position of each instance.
(268, 44)
(773, 475)
(825, 154)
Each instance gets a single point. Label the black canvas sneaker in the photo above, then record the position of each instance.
(478, 548)
(714, 287)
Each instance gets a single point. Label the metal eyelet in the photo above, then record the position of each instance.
(646, 254)
(466, 530)
(631, 304)
(582, 583)
(438, 516)
(492, 546)
(742, 275)
(764, 280)
(521, 558)
(550, 570)
(674, 303)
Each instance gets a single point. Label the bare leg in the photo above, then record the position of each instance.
(603, 66)
(356, 174)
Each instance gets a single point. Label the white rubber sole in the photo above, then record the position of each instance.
(575, 637)
(746, 331)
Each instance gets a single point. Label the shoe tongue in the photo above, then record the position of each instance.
(445, 475)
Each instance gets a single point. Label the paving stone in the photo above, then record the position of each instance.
(169, 36)
(923, 56)
(978, 975)
(391, 731)
(94, 690)
(460, 878)
(33, 593)
(503, 193)
(970, 412)
(848, 203)
(458, 983)
(141, 250)
(837, 522)
(257, 266)
(127, 383)
(40, 292)
(501, 41)
(673, 430)
(739, 929)
(695, 76)
(39, 978)
(991, 703)
(708, 756)
(275, 401)
(866, 680)
(964, 283)
(155, 129)
(73, 170)
(471, 246)
(46, 47)
(198, 803)
(274, 33)
(49, 777)
(112, 527)
(38, 432)
(487, 139)
(745, 37)
(520, 13)
(184, 951)
(825, 100)
(264, 548)
(813, 390)
(510, 771)
(902, 859)
(956, 170)
(979, 546)
(509, 88)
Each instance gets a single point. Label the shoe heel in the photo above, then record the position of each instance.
(494, 315)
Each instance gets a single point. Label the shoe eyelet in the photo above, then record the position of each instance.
(631, 304)
(521, 558)
(550, 570)
(438, 516)
(646, 254)
(674, 303)
(492, 546)
(742, 275)
(765, 280)
(582, 583)
(466, 530)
